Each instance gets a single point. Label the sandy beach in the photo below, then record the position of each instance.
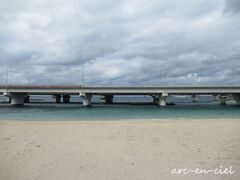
(118, 150)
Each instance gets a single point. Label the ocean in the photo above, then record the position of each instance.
(125, 108)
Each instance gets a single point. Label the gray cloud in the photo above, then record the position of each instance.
(233, 6)
(120, 42)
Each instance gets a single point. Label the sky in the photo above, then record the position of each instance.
(125, 43)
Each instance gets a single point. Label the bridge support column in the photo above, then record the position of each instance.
(108, 99)
(27, 99)
(57, 98)
(237, 99)
(195, 98)
(223, 100)
(66, 98)
(86, 99)
(238, 102)
(215, 98)
(155, 99)
(162, 100)
(17, 98)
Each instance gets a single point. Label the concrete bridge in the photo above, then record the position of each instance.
(21, 93)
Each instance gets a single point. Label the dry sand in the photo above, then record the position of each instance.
(121, 150)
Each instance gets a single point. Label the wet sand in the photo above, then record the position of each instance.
(120, 150)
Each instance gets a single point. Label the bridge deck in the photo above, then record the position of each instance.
(149, 90)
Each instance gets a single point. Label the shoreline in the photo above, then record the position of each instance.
(123, 120)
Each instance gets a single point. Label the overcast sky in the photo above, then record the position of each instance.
(125, 42)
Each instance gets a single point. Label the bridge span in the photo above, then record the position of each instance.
(21, 93)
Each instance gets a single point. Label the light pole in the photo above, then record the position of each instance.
(7, 79)
(82, 76)
(199, 80)
(160, 79)
(166, 78)
(27, 78)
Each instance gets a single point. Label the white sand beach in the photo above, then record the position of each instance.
(117, 150)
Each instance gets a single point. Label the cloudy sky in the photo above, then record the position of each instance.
(126, 42)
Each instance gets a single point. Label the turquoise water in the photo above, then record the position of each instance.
(52, 111)
(184, 109)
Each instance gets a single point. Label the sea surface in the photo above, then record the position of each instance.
(124, 108)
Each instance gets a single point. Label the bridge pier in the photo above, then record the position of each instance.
(86, 99)
(57, 98)
(162, 100)
(155, 99)
(108, 99)
(238, 102)
(223, 100)
(27, 99)
(215, 97)
(195, 98)
(17, 98)
(66, 98)
(237, 99)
